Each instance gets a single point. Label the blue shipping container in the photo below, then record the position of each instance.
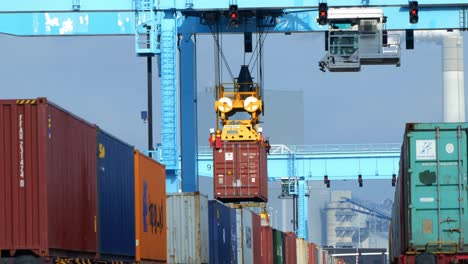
(223, 233)
(116, 196)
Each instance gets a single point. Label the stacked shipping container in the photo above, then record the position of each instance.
(70, 189)
(187, 228)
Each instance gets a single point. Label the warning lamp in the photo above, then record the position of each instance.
(233, 16)
(413, 12)
(393, 180)
(322, 14)
(360, 180)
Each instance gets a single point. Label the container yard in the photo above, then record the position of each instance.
(336, 132)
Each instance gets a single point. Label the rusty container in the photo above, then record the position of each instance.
(266, 243)
(240, 172)
(290, 248)
(47, 179)
(150, 209)
(257, 238)
(312, 256)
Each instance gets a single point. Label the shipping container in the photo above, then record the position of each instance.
(223, 233)
(245, 229)
(240, 172)
(278, 247)
(187, 228)
(324, 256)
(430, 193)
(47, 179)
(266, 251)
(150, 209)
(290, 248)
(257, 238)
(116, 193)
(312, 257)
(301, 249)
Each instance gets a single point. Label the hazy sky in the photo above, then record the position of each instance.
(102, 80)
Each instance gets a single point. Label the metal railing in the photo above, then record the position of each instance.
(282, 149)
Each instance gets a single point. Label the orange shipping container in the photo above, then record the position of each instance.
(150, 209)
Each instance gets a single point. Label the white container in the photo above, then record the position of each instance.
(187, 228)
(301, 251)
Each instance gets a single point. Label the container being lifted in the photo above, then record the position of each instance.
(239, 148)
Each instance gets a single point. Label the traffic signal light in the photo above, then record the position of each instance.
(322, 14)
(233, 16)
(393, 180)
(360, 180)
(413, 12)
(409, 39)
(326, 181)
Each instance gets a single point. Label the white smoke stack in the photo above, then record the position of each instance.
(453, 71)
(454, 82)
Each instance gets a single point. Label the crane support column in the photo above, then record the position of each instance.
(188, 112)
(169, 100)
(301, 200)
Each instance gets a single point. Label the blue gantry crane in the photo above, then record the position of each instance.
(166, 28)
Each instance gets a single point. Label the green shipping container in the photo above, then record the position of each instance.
(430, 204)
(278, 248)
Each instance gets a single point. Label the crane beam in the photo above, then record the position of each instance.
(34, 6)
(54, 23)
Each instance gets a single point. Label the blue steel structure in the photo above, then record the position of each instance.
(312, 162)
(157, 25)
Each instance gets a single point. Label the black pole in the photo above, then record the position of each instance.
(149, 65)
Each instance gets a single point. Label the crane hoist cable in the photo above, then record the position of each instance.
(216, 37)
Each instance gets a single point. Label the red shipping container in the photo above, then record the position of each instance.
(240, 172)
(290, 241)
(266, 251)
(257, 238)
(312, 254)
(47, 179)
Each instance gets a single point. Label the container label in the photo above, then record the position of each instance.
(426, 150)
(449, 148)
(21, 150)
(228, 156)
(152, 210)
(248, 237)
(426, 199)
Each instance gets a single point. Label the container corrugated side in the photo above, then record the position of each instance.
(301, 249)
(43, 209)
(267, 245)
(257, 238)
(240, 172)
(290, 252)
(71, 152)
(23, 205)
(434, 190)
(247, 235)
(312, 253)
(187, 228)
(116, 196)
(223, 233)
(278, 247)
(150, 209)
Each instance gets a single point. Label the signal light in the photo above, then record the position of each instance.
(233, 16)
(322, 14)
(393, 180)
(326, 181)
(413, 12)
(360, 180)
(409, 39)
